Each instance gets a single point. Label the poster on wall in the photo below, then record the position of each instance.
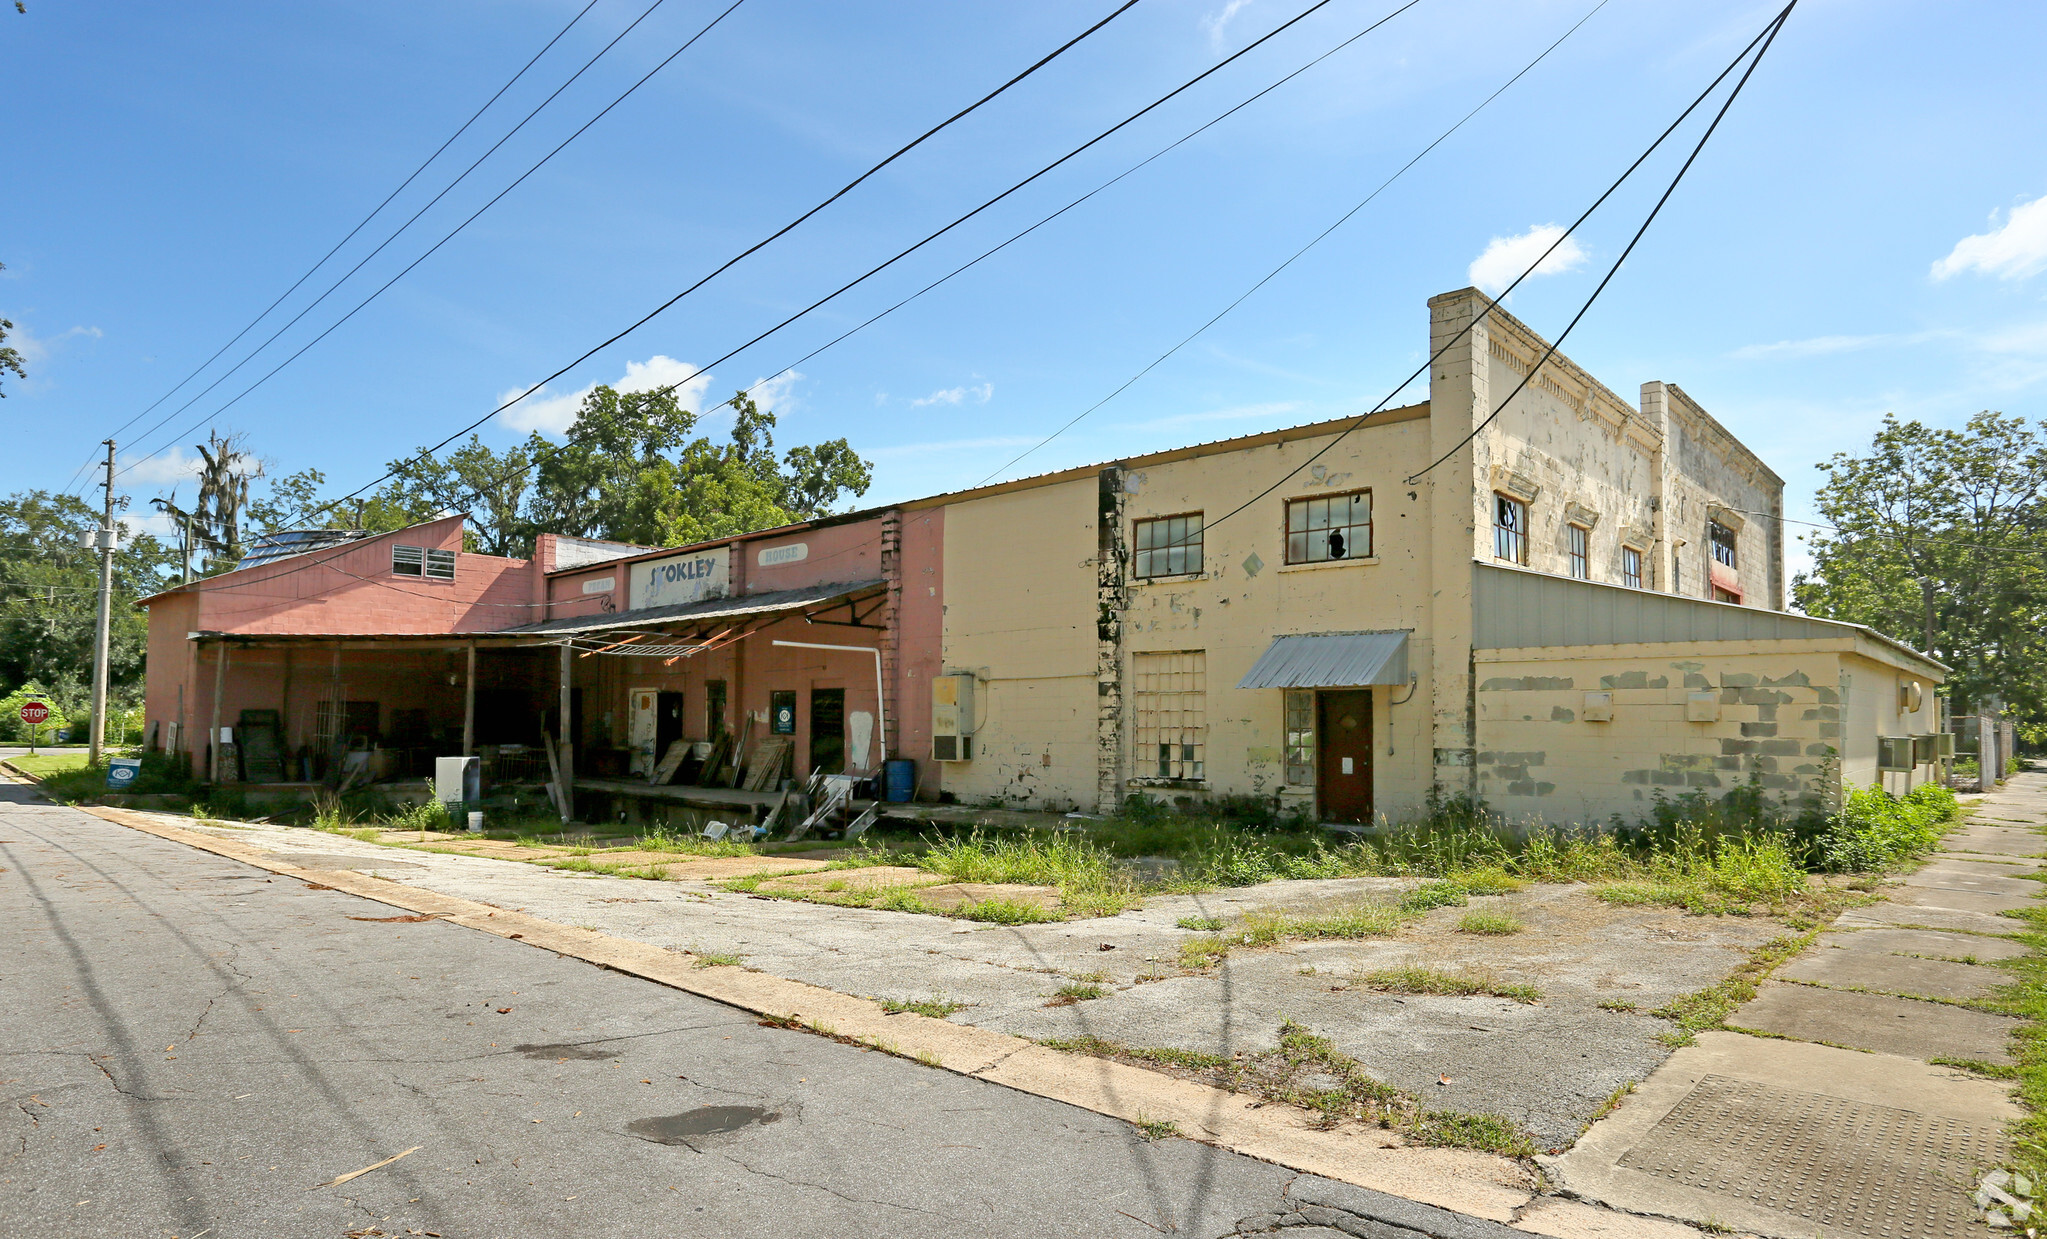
(680, 579)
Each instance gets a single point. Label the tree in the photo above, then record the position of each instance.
(215, 518)
(1947, 530)
(10, 359)
(49, 599)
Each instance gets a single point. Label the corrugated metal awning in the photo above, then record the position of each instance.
(1330, 660)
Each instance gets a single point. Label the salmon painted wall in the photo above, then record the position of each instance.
(355, 592)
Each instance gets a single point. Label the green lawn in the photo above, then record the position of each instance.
(44, 764)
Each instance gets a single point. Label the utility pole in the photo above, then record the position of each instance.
(104, 542)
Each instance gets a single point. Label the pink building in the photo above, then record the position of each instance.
(403, 647)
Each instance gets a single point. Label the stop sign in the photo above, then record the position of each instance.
(34, 712)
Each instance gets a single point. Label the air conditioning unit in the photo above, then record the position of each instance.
(1894, 752)
(1926, 749)
(1945, 743)
(952, 718)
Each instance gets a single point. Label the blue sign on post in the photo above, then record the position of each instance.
(122, 773)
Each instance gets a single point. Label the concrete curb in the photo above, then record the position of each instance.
(1479, 1185)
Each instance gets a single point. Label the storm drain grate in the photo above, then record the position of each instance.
(1868, 1170)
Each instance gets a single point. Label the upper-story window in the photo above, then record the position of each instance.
(1677, 569)
(1510, 529)
(434, 565)
(1631, 567)
(1580, 551)
(1329, 527)
(1169, 545)
(1723, 542)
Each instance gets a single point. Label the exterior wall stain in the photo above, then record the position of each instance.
(1112, 600)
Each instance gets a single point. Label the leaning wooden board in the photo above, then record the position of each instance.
(671, 761)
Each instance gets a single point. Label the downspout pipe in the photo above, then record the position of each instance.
(880, 698)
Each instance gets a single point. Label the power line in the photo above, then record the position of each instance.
(898, 153)
(1297, 254)
(360, 225)
(403, 272)
(1764, 38)
(427, 452)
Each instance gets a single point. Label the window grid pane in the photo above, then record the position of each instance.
(1172, 713)
(1332, 528)
(1168, 546)
(1722, 539)
(1581, 552)
(440, 565)
(1631, 567)
(1300, 738)
(407, 560)
(1510, 529)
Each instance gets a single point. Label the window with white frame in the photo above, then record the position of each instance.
(1300, 738)
(1580, 550)
(1172, 713)
(1169, 545)
(420, 561)
(1329, 527)
(1510, 529)
(1631, 567)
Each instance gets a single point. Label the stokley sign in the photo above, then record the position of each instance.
(681, 579)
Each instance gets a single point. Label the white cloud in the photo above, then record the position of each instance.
(777, 393)
(36, 349)
(2012, 252)
(165, 469)
(554, 414)
(1821, 346)
(980, 394)
(1215, 22)
(1505, 258)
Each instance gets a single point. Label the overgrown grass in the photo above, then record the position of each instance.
(1709, 1008)
(1006, 912)
(1490, 924)
(1308, 1071)
(659, 840)
(1200, 924)
(937, 1008)
(1876, 830)
(1262, 929)
(1465, 984)
(2026, 997)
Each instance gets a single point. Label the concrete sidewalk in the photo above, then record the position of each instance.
(1834, 1117)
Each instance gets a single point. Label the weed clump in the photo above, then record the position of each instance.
(1490, 924)
(1467, 984)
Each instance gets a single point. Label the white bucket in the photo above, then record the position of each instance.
(476, 821)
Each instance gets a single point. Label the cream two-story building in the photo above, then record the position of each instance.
(1561, 603)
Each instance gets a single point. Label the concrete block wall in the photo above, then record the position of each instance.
(1777, 721)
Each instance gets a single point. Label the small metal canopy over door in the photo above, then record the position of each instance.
(1344, 755)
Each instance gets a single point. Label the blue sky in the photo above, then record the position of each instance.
(171, 169)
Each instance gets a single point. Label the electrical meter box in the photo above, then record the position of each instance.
(952, 718)
(1702, 707)
(1598, 708)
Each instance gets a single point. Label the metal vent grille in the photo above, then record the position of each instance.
(1848, 1167)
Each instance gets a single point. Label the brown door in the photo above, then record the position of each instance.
(1343, 755)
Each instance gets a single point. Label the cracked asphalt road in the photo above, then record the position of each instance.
(189, 1046)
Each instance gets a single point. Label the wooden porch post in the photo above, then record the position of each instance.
(213, 731)
(469, 705)
(568, 750)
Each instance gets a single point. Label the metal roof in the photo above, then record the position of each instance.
(710, 608)
(1517, 608)
(1330, 660)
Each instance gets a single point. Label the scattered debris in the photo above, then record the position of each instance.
(357, 1174)
(408, 920)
